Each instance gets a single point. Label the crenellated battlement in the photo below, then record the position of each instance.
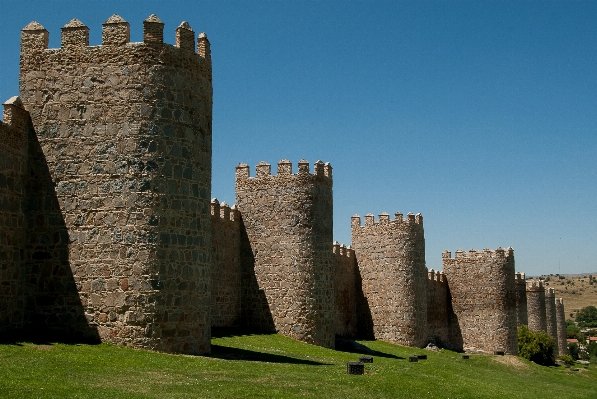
(499, 252)
(115, 33)
(519, 276)
(550, 293)
(559, 301)
(15, 124)
(535, 285)
(342, 250)
(384, 220)
(224, 212)
(264, 170)
(437, 276)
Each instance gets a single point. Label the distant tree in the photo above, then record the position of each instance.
(587, 316)
(535, 346)
(592, 352)
(572, 330)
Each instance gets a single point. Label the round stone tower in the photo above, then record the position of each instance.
(124, 133)
(483, 290)
(286, 250)
(561, 323)
(390, 255)
(522, 317)
(551, 317)
(536, 305)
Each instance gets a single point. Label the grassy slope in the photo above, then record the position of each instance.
(272, 366)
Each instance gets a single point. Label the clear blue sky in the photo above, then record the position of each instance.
(479, 115)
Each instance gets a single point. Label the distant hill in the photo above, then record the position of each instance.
(578, 290)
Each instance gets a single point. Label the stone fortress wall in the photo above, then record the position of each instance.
(107, 231)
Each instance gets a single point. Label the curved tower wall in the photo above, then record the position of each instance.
(536, 305)
(437, 308)
(522, 317)
(125, 131)
(551, 317)
(483, 290)
(561, 327)
(391, 259)
(345, 296)
(287, 258)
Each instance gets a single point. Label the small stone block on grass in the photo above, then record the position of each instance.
(466, 357)
(355, 368)
(366, 359)
(422, 357)
(413, 358)
(499, 353)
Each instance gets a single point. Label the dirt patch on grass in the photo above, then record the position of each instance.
(43, 347)
(511, 361)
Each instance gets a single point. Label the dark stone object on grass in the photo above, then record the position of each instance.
(355, 368)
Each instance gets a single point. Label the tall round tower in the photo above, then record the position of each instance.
(483, 290)
(536, 305)
(390, 255)
(124, 133)
(522, 317)
(551, 317)
(286, 250)
(561, 326)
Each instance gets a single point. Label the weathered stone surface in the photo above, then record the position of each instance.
(125, 132)
(391, 261)
(551, 317)
(345, 286)
(226, 267)
(437, 309)
(561, 327)
(483, 291)
(522, 317)
(536, 305)
(286, 253)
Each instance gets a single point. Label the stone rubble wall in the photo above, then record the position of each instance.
(561, 327)
(226, 267)
(437, 309)
(391, 261)
(522, 317)
(536, 305)
(483, 291)
(345, 291)
(124, 133)
(551, 317)
(14, 132)
(286, 254)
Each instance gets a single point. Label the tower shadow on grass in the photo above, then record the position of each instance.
(228, 353)
(346, 345)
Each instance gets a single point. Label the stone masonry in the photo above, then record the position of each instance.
(483, 292)
(536, 305)
(391, 259)
(107, 232)
(125, 129)
(551, 317)
(345, 291)
(287, 259)
(14, 133)
(561, 326)
(522, 317)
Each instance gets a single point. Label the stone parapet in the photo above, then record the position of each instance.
(561, 327)
(551, 317)
(345, 291)
(522, 317)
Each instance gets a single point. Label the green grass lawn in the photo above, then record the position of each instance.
(272, 366)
